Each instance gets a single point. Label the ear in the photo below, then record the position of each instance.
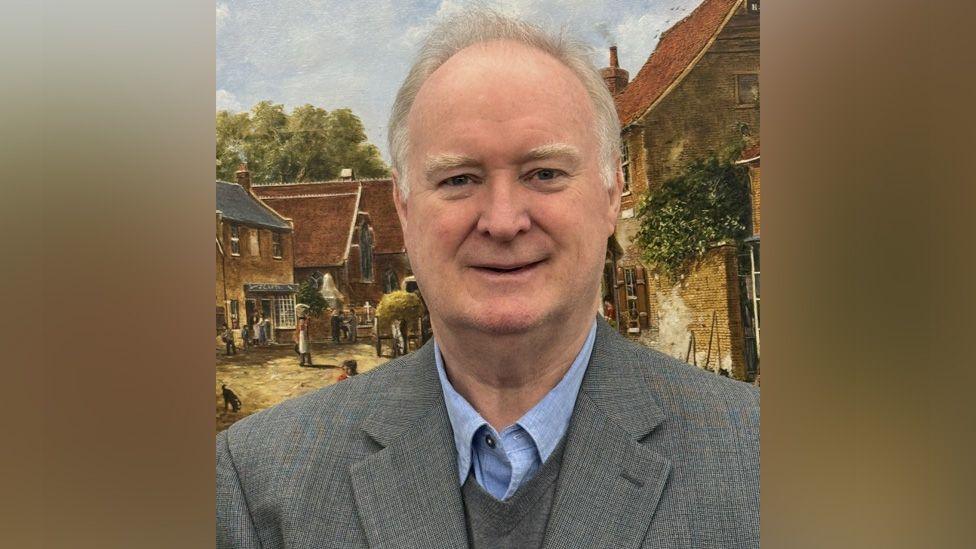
(615, 191)
(399, 201)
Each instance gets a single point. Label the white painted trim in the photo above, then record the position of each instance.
(747, 160)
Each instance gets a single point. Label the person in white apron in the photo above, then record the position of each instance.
(302, 338)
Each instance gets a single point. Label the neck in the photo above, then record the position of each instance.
(504, 376)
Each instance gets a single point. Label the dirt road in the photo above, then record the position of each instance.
(263, 377)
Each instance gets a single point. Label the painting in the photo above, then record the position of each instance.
(313, 281)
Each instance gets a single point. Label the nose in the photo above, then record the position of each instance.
(504, 211)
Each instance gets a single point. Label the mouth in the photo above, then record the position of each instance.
(508, 269)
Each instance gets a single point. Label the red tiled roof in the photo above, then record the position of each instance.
(323, 223)
(296, 189)
(377, 200)
(677, 49)
(324, 212)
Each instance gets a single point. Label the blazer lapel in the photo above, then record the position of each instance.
(407, 492)
(610, 484)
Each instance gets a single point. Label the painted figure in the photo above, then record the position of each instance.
(227, 336)
(302, 337)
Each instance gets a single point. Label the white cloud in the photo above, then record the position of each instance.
(336, 53)
(227, 101)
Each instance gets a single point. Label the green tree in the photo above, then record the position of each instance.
(310, 296)
(232, 132)
(398, 305)
(706, 204)
(308, 144)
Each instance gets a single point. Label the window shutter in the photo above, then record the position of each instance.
(642, 297)
(620, 290)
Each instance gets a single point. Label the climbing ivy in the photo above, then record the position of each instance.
(707, 203)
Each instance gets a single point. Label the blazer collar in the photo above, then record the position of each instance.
(610, 483)
(606, 471)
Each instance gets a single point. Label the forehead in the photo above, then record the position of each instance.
(500, 87)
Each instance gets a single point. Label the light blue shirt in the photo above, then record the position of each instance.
(504, 461)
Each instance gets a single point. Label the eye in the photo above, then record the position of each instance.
(456, 181)
(545, 174)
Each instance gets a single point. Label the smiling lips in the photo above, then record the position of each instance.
(507, 268)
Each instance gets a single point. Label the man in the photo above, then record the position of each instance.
(338, 322)
(526, 422)
(302, 338)
(227, 335)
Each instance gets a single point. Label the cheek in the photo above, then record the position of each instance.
(435, 232)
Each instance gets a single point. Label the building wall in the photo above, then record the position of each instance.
(710, 288)
(348, 280)
(700, 117)
(250, 269)
(361, 291)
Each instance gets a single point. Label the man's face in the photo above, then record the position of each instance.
(507, 218)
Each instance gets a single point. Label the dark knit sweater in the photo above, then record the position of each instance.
(518, 522)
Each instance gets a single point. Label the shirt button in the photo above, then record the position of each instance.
(490, 441)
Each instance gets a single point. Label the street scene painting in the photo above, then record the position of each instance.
(313, 282)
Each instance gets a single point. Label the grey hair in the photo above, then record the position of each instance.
(478, 25)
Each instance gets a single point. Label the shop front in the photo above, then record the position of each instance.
(274, 302)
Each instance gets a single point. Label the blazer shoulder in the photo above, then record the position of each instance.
(682, 386)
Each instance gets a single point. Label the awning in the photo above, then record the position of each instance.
(271, 288)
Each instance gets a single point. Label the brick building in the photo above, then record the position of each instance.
(346, 229)
(254, 260)
(696, 96)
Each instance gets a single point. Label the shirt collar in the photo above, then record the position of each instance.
(546, 422)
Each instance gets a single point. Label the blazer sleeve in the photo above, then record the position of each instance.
(235, 528)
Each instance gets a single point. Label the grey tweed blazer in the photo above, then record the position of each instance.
(659, 454)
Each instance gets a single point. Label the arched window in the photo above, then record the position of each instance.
(366, 251)
(315, 280)
(390, 282)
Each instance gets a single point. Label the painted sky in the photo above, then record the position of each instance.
(343, 53)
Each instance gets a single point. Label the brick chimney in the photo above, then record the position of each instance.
(615, 77)
(243, 177)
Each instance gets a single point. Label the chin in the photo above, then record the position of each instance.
(502, 322)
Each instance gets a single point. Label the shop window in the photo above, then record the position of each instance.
(284, 311)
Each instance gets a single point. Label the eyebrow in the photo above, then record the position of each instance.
(553, 150)
(444, 162)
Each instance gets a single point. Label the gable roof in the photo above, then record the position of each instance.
(236, 204)
(678, 50)
(325, 213)
(323, 225)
